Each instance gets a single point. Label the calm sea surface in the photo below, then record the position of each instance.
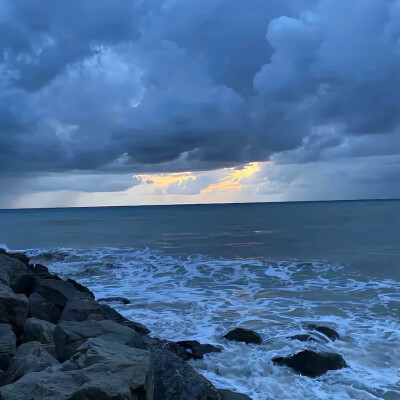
(198, 271)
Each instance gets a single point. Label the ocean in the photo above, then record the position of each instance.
(197, 271)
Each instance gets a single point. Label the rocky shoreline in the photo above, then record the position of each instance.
(58, 342)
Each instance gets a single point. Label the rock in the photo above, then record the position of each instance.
(58, 292)
(229, 395)
(40, 308)
(100, 370)
(19, 278)
(2, 378)
(18, 256)
(244, 335)
(303, 338)
(87, 309)
(39, 269)
(81, 288)
(171, 378)
(312, 364)
(8, 345)
(30, 357)
(325, 330)
(196, 350)
(122, 300)
(37, 330)
(13, 308)
(68, 335)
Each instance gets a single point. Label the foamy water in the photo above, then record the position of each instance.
(201, 298)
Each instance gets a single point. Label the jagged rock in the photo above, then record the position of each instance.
(81, 288)
(312, 364)
(229, 395)
(101, 370)
(303, 338)
(18, 256)
(37, 330)
(13, 308)
(42, 309)
(244, 335)
(122, 300)
(30, 357)
(8, 345)
(325, 330)
(68, 335)
(171, 378)
(196, 350)
(16, 275)
(58, 292)
(87, 309)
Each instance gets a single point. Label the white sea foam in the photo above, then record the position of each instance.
(202, 298)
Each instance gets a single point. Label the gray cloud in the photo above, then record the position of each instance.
(130, 86)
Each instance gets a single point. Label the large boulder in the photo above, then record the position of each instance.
(18, 256)
(171, 378)
(30, 357)
(81, 288)
(243, 335)
(69, 335)
(37, 330)
(312, 364)
(58, 292)
(16, 274)
(229, 395)
(196, 350)
(13, 308)
(8, 345)
(79, 310)
(101, 370)
(330, 333)
(42, 309)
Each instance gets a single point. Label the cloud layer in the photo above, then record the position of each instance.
(126, 86)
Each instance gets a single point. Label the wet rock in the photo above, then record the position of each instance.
(68, 335)
(100, 370)
(2, 378)
(303, 338)
(13, 308)
(171, 378)
(244, 335)
(18, 256)
(311, 363)
(229, 395)
(81, 288)
(8, 345)
(30, 357)
(87, 309)
(39, 270)
(16, 275)
(122, 300)
(325, 330)
(58, 292)
(196, 350)
(42, 309)
(37, 330)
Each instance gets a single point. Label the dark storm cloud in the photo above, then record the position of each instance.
(125, 85)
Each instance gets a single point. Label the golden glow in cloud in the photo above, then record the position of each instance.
(234, 178)
(164, 180)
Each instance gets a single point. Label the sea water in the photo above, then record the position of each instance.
(195, 272)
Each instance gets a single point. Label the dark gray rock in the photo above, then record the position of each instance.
(18, 256)
(312, 364)
(122, 300)
(100, 370)
(30, 357)
(13, 308)
(171, 378)
(330, 333)
(40, 308)
(19, 277)
(58, 292)
(3, 377)
(303, 338)
(8, 345)
(68, 335)
(244, 335)
(37, 330)
(39, 270)
(81, 288)
(196, 350)
(229, 395)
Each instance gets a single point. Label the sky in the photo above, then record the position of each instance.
(128, 102)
